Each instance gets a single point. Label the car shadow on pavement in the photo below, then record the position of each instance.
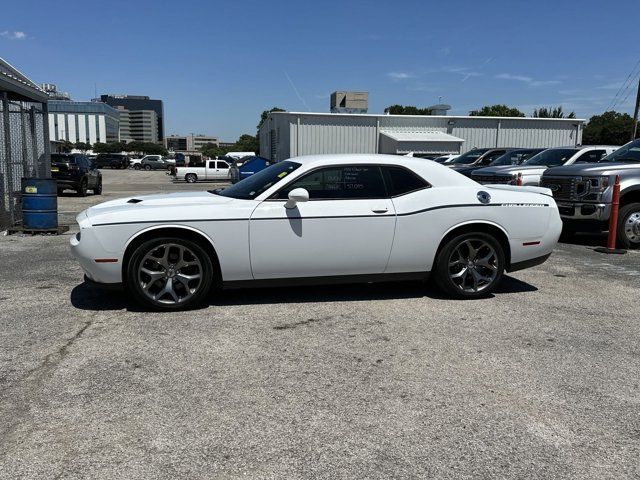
(90, 297)
(584, 239)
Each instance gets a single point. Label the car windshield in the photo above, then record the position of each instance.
(57, 158)
(252, 186)
(627, 153)
(470, 157)
(553, 157)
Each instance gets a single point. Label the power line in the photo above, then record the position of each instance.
(613, 103)
(630, 89)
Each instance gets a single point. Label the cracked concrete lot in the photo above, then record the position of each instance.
(361, 381)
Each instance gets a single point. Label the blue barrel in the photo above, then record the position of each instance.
(39, 203)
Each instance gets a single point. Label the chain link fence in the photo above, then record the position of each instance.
(24, 152)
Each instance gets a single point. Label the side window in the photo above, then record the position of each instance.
(222, 164)
(212, 164)
(401, 181)
(492, 156)
(343, 182)
(591, 157)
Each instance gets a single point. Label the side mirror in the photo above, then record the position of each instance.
(297, 195)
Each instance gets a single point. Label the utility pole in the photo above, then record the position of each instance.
(635, 113)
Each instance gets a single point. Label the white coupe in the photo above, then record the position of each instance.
(326, 218)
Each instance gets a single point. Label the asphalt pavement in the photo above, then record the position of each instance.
(363, 381)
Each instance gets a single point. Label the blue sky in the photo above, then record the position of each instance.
(218, 64)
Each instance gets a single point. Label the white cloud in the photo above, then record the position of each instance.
(17, 35)
(399, 75)
(525, 79)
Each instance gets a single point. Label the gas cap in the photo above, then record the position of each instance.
(484, 197)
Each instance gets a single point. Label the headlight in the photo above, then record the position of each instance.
(598, 184)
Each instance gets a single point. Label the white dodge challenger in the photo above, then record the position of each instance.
(322, 219)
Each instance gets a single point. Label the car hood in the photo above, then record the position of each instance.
(604, 168)
(161, 208)
(511, 169)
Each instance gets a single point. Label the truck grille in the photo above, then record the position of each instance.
(488, 179)
(565, 188)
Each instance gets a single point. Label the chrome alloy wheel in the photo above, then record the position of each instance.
(473, 265)
(632, 227)
(170, 274)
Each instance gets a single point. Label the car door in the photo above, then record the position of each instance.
(210, 170)
(222, 170)
(346, 227)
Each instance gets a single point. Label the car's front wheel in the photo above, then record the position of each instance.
(147, 167)
(169, 274)
(629, 226)
(98, 189)
(82, 189)
(136, 167)
(470, 265)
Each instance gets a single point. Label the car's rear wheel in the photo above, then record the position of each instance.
(628, 233)
(191, 178)
(470, 265)
(170, 274)
(82, 189)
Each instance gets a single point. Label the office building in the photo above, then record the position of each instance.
(143, 126)
(190, 143)
(88, 122)
(52, 92)
(139, 103)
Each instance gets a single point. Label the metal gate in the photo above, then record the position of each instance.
(24, 152)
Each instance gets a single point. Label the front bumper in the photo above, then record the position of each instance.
(584, 211)
(98, 264)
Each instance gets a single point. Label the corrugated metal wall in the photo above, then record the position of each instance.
(335, 133)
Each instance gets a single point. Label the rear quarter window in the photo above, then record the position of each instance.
(401, 181)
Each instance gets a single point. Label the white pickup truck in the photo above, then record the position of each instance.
(212, 170)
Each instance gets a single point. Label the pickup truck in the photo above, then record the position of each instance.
(212, 170)
(532, 169)
(584, 194)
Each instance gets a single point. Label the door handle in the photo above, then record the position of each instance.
(380, 210)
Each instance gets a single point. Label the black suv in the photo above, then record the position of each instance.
(77, 172)
(112, 160)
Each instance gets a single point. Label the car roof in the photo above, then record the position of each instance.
(433, 172)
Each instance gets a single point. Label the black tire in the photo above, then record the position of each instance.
(147, 167)
(628, 234)
(98, 189)
(136, 166)
(60, 191)
(82, 189)
(191, 178)
(133, 284)
(443, 270)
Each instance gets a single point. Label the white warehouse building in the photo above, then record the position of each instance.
(289, 134)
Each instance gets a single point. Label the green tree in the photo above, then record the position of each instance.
(406, 110)
(497, 110)
(212, 150)
(82, 146)
(247, 143)
(610, 128)
(265, 114)
(556, 112)
(65, 146)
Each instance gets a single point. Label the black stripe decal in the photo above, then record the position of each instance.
(416, 212)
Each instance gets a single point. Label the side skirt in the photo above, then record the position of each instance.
(326, 280)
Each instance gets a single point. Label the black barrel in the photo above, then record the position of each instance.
(39, 203)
